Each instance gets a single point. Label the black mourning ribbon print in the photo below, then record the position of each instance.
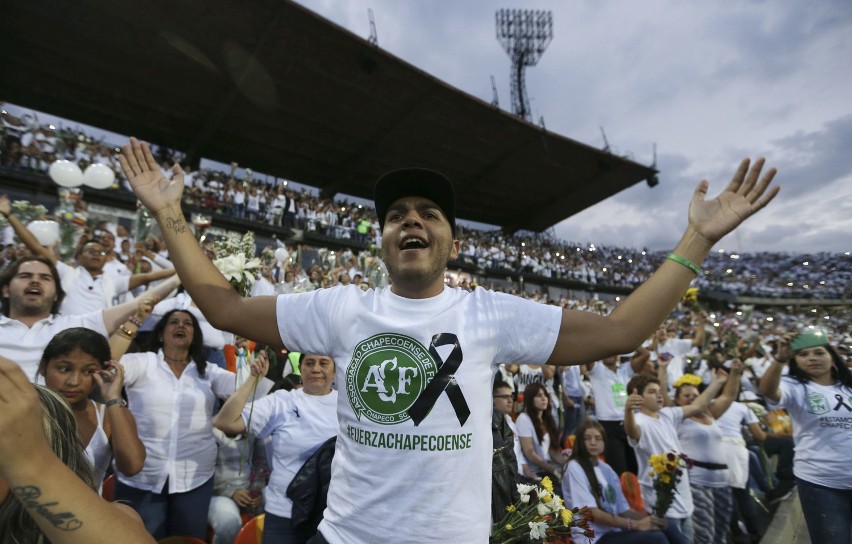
(444, 381)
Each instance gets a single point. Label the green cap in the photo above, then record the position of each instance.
(809, 339)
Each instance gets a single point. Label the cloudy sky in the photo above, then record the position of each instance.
(708, 82)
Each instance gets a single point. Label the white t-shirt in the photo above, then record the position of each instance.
(703, 443)
(736, 455)
(577, 492)
(677, 348)
(391, 478)
(610, 390)
(658, 436)
(526, 429)
(24, 345)
(822, 431)
(735, 417)
(84, 294)
(527, 375)
(298, 424)
(173, 420)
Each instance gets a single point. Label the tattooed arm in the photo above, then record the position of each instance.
(65, 509)
(252, 317)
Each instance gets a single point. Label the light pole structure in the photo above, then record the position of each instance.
(524, 34)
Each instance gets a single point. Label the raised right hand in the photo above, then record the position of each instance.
(149, 185)
(635, 401)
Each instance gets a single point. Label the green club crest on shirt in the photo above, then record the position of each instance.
(386, 375)
(817, 404)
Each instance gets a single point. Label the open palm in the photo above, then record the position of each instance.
(149, 185)
(744, 195)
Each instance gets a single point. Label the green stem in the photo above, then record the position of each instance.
(244, 449)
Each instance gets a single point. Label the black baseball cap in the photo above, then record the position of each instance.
(421, 182)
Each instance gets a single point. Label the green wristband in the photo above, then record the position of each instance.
(685, 262)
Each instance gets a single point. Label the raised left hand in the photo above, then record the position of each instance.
(745, 195)
(260, 364)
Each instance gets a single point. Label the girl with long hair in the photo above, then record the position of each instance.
(539, 434)
(817, 393)
(77, 364)
(592, 483)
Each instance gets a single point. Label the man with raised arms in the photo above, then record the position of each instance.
(418, 358)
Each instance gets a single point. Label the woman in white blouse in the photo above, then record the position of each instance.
(172, 391)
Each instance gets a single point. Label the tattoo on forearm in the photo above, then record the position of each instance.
(29, 495)
(176, 224)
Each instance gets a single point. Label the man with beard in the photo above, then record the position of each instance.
(31, 298)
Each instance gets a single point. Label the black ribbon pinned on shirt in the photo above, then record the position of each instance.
(444, 381)
(841, 402)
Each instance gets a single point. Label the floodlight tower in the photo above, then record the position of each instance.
(524, 34)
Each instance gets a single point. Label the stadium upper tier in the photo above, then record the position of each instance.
(263, 203)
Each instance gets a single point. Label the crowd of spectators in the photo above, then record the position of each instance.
(110, 263)
(242, 194)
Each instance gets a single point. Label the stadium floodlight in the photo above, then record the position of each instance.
(524, 34)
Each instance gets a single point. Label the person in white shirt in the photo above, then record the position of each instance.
(436, 428)
(652, 430)
(592, 483)
(673, 349)
(31, 296)
(299, 422)
(608, 379)
(539, 434)
(702, 441)
(171, 392)
(818, 395)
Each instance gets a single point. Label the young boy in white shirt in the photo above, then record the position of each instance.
(652, 430)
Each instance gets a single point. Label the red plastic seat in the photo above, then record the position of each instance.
(108, 488)
(632, 492)
(252, 531)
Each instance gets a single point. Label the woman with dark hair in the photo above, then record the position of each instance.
(172, 391)
(817, 393)
(539, 434)
(46, 484)
(592, 483)
(77, 365)
(701, 440)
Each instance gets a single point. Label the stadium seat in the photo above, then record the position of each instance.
(108, 488)
(252, 531)
(632, 492)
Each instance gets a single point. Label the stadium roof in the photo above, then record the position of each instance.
(279, 89)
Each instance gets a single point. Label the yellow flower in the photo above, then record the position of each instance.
(651, 474)
(546, 497)
(566, 516)
(508, 526)
(510, 508)
(666, 479)
(547, 484)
